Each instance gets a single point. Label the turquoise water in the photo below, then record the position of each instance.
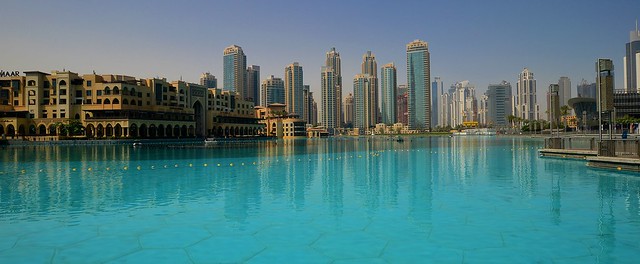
(426, 200)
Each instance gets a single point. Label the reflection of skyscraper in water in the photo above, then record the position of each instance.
(606, 222)
(420, 188)
(332, 174)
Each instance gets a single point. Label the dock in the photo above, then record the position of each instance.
(614, 154)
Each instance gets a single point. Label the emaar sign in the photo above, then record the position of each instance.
(9, 73)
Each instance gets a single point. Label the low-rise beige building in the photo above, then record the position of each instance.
(35, 105)
(279, 124)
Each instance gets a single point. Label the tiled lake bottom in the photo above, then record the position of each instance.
(353, 200)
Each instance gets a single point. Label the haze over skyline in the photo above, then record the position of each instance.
(480, 41)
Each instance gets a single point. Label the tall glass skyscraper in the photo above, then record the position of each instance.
(498, 104)
(253, 83)
(388, 90)
(272, 90)
(234, 70)
(436, 92)
(419, 81)
(364, 103)
(331, 88)
(330, 108)
(293, 89)
(632, 62)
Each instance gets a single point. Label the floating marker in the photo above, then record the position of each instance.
(176, 165)
(231, 164)
(89, 169)
(23, 171)
(165, 166)
(218, 164)
(74, 169)
(125, 168)
(619, 168)
(138, 168)
(204, 165)
(242, 164)
(190, 165)
(151, 167)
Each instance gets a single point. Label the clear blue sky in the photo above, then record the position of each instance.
(482, 41)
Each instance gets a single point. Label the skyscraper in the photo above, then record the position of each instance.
(208, 80)
(553, 104)
(272, 90)
(234, 70)
(348, 110)
(331, 80)
(631, 62)
(525, 100)
(402, 115)
(253, 83)
(464, 105)
(436, 91)
(498, 104)
(419, 80)
(369, 64)
(330, 107)
(388, 90)
(293, 89)
(587, 90)
(364, 103)
(307, 104)
(564, 92)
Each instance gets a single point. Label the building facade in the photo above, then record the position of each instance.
(331, 80)
(253, 84)
(402, 108)
(553, 104)
(419, 81)
(436, 92)
(586, 90)
(208, 80)
(564, 86)
(349, 113)
(364, 101)
(499, 104)
(464, 105)
(525, 100)
(388, 93)
(631, 62)
(272, 91)
(38, 106)
(293, 89)
(234, 70)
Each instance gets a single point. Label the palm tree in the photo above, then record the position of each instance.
(564, 111)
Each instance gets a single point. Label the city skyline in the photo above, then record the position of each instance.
(119, 41)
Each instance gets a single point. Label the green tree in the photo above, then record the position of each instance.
(564, 111)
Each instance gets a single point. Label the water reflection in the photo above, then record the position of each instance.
(334, 176)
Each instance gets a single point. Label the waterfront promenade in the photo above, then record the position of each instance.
(616, 153)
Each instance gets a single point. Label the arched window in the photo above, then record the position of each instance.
(31, 83)
(133, 91)
(125, 101)
(116, 90)
(133, 102)
(125, 90)
(62, 83)
(116, 101)
(107, 91)
(106, 101)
